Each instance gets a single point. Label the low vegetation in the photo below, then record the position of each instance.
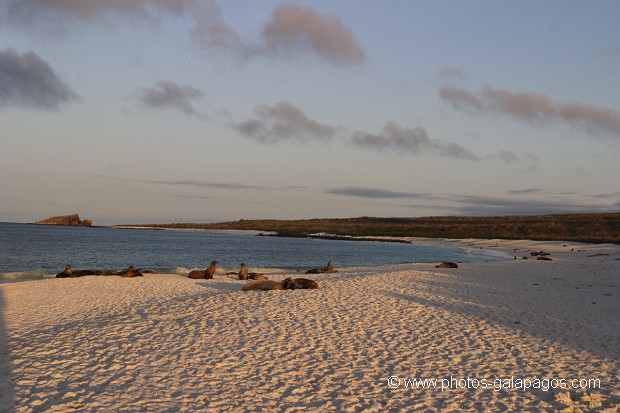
(596, 228)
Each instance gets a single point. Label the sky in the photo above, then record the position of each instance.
(158, 111)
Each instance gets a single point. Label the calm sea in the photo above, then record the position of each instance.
(36, 251)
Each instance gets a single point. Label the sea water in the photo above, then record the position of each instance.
(37, 251)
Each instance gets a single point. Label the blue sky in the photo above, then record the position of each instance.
(148, 111)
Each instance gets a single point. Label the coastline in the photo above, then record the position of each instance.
(167, 343)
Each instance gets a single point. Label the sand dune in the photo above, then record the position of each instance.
(165, 343)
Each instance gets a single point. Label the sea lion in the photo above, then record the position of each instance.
(329, 268)
(131, 272)
(125, 271)
(300, 284)
(263, 285)
(257, 276)
(446, 265)
(81, 273)
(199, 274)
(66, 273)
(69, 273)
(243, 272)
(543, 259)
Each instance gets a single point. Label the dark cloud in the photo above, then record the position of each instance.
(200, 184)
(205, 184)
(481, 205)
(534, 108)
(608, 195)
(294, 29)
(169, 95)
(529, 201)
(414, 141)
(375, 193)
(525, 191)
(283, 122)
(291, 31)
(26, 80)
(286, 122)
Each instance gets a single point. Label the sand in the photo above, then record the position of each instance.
(165, 343)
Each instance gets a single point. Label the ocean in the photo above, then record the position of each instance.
(39, 251)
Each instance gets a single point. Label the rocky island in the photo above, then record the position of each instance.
(72, 220)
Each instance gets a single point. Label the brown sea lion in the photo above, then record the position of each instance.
(329, 268)
(126, 270)
(243, 272)
(66, 273)
(69, 273)
(199, 274)
(131, 273)
(81, 273)
(257, 276)
(263, 285)
(300, 284)
(447, 265)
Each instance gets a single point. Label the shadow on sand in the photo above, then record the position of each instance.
(7, 392)
(529, 316)
(221, 285)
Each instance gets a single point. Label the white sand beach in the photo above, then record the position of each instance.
(166, 343)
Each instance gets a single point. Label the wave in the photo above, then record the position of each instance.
(24, 275)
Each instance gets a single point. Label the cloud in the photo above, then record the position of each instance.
(286, 122)
(283, 122)
(291, 31)
(414, 141)
(36, 11)
(186, 182)
(169, 95)
(26, 80)
(460, 98)
(530, 201)
(212, 31)
(205, 184)
(608, 195)
(374, 193)
(534, 108)
(526, 191)
(201, 184)
(294, 29)
(483, 205)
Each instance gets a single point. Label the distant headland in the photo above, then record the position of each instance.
(72, 220)
(584, 227)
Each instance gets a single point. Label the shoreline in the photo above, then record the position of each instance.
(169, 343)
(494, 249)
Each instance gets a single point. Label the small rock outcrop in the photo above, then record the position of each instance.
(72, 220)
